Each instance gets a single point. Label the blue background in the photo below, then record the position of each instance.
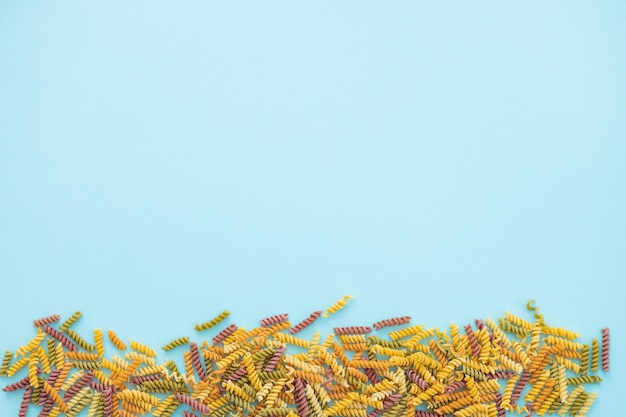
(162, 161)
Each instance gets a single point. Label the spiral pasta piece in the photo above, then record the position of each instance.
(352, 330)
(70, 321)
(605, 349)
(98, 338)
(117, 342)
(279, 318)
(306, 322)
(224, 334)
(181, 341)
(46, 320)
(141, 348)
(595, 355)
(213, 322)
(339, 305)
(6, 361)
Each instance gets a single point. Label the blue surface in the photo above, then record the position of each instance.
(162, 161)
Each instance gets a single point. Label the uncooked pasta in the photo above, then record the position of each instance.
(487, 368)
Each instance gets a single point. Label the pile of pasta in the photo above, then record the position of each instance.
(389, 369)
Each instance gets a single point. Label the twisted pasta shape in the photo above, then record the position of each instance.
(224, 334)
(181, 341)
(32, 345)
(518, 321)
(578, 403)
(352, 330)
(570, 400)
(144, 359)
(54, 395)
(79, 401)
(117, 342)
(25, 402)
(141, 348)
(605, 349)
(59, 355)
(80, 383)
(509, 327)
(534, 340)
(337, 306)
(279, 318)
(352, 338)
(79, 340)
(271, 364)
(95, 405)
(213, 322)
(82, 356)
(33, 372)
(196, 361)
(292, 340)
(584, 409)
(98, 338)
(306, 322)
(407, 331)
(71, 320)
(6, 361)
(472, 340)
(567, 363)
(51, 354)
(585, 379)
(595, 355)
(46, 320)
(17, 365)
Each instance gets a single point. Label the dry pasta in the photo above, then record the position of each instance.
(411, 371)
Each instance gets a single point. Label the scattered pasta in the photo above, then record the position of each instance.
(488, 369)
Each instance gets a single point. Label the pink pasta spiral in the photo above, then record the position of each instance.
(189, 414)
(60, 337)
(353, 330)
(278, 318)
(473, 340)
(390, 401)
(519, 387)
(224, 334)
(501, 412)
(501, 374)
(78, 385)
(98, 386)
(387, 404)
(140, 379)
(479, 324)
(54, 375)
(196, 405)
(605, 349)
(197, 362)
(369, 372)
(47, 407)
(28, 392)
(306, 322)
(300, 397)
(46, 320)
(17, 385)
(455, 386)
(237, 374)
(108, 402)
(394, 321)
(416, 379)
(271, 364)
(375, 413)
